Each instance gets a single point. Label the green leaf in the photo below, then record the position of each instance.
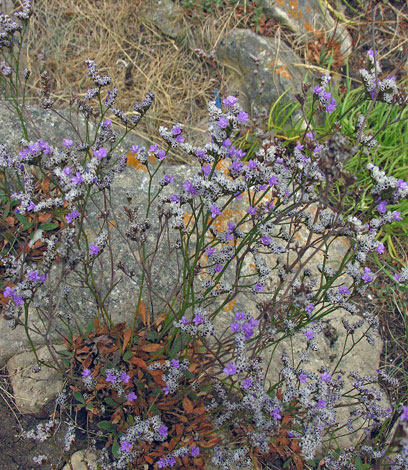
(189, 375)
(64, 352)
(78, 396)
(175, 347)
(22, 219)
(153, 335)
(89, 406)
(111, 402)
(130, 420)
(106, 426)
(115, 449)
(90, 327)
(48, 226)
(202, 349)
(66, 362)
(136, 339)
(127, 355)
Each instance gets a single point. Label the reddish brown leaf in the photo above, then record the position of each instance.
(142, 312)
(148, 459)
(179, 429)
(138, 362)
(151, 347)
(126, 338)
(188, 405)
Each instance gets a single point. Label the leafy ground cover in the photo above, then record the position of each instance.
(392, 310)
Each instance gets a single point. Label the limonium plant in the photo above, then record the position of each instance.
(260, 229)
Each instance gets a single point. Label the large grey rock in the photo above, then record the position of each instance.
(262, 68)
(168, 17)
(306, 18)
(82, 460)
(32, 391)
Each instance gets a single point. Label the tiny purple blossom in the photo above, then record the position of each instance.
(397, 216)
(215, 211)
(402, 184)
(180, 138)
(135, 149)
(218, 268)
(251, 210)
(153, 148)
(382, 207)
(161, 155)
(321, 404)
(86, 373)
(266, 240)
(188, 186)
(93, 249)
(161, 463)
(8, 292)
(210, 251)
(67, 170)
(309, 334)
(168, 179)
(397, 277)
(195, 451)
(275, 414)
(242, 117)
(111, 377)
(310, 135)
(230, 369)
(125, 446)
(252, 164)
(309, 308)
(227, 143)
(77, 178)
(344, 290)
(325, 377)
(259, 287)
(380, 249)
(175, 363)
(235, 326)
(246, 383)
(176, 130)
(367, 277)
(206, 169)
(107, 122)
(171, 461)
(223, 122)
(131, 396)
(404, 416)
(71, 216)
(124, 378)
(163, 430)
(229, 101)
(67, 143)
(184, 320)
(302, 378)
(273, 181)
(198, 319)
(101, 153)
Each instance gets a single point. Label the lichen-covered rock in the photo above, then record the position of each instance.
(168, 17)
(82, 460)
(307, 18)
(262, 68)
(33, 390)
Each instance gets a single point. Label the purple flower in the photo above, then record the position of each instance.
(275, 414)
(380, 249)
(273, 181)
(176, 130)
(242, 117)
(397, 215)
(309, 308)
(235, 326)
(309, 334)
(153, 148)
(331, 106)
(168, 178)
(101, 153)
(8, 292)
(246, 383)
(227, 143)
(77, 178)
(188, 186)
(259, 287)
(198, 319)
(206, 169)
(67, 143)
(163, 430)
(93, 249)
(166, 390)
(223, 122)
(240, 154)
(325, 377)
(135, 149)
(18, 299)
(175, 363)
(265, 240)
(317, 149)
(180, 138)
(310, 135)
(252, 164)
(367, 277)
(161, 463)
(251, 210)
(210, 251)
(300, 147)
(230, 369)
(124, 378)
(215, 211)
(382, 207)
(111, 377)
(402, 184)
(302, 378)
(321, 404)
(71, 216)
(107, 122)
(86, 373)
(270, 206)
(195, 450)
(229, 101)
(397, 277)
(317, 90)
(131, 396)
(161, 155)
(125, 446)
(171, 461)
(404, 416)
(174, 198)
(344, 290)
(184, 320)
(236, 166)
(218, 268)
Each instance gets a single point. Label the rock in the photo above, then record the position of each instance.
(32, 391)
(278, 67)
(168, 17)
(82, 460)
(306, 18)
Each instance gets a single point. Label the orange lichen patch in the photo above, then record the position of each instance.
(220, 223)
(187, 218)
(111, 223)
(222, 165)
(309, 28)
(284, 72)
(307, 8)
(134, 162)
(153, 158)
(230, 306)
(281, 2)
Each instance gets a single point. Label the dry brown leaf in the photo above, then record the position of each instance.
(188, 405)
(126, 338)
(151, 347)
(138, 362)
